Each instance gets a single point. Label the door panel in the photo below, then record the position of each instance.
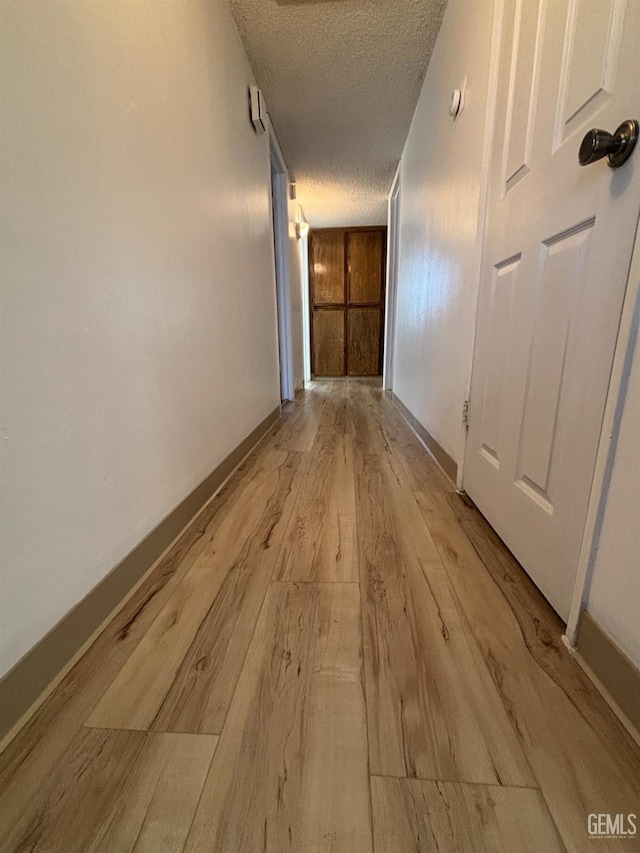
(498, 323)
(590, 59)
(562, 266)
(328, 342)
(558, 242)
(366, 274)
(346, 338)
(522, 93)
(328, 280)
(363, 341)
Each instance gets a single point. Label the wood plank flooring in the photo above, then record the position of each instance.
(293, 757)
(338, 655)
(420, 815)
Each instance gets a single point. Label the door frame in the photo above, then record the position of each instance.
(304, 272)
(393, 254)
(280, 219)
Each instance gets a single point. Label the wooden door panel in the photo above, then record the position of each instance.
(365, 256)
(347, 338)
(363, 341)
(327, 268)
(328, 342)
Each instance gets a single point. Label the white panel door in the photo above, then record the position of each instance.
(556, 258)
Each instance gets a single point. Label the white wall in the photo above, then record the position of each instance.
(614, 594)
(138, 296)
(441, 170)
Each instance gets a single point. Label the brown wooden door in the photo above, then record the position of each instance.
(347, 286)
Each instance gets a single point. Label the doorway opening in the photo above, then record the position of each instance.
(280, 214)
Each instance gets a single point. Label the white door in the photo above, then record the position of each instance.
(558, 244)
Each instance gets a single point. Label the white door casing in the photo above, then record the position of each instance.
(280, 218)
(393, 253)
(558, 243)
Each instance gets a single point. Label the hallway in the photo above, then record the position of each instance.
(338, 654)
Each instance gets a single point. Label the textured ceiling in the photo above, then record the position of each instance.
(341, 80)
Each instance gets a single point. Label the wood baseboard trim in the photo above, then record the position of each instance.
(612, 669)
(26, 685)
(446, 462)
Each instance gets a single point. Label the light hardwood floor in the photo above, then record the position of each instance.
(338, 655)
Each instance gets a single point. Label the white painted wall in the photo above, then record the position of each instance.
(138, 296)
(439, 254)
(614, 593)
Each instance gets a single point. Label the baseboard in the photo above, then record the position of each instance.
(24, 685)
(619, 676)
(446, 462)
(343, 378)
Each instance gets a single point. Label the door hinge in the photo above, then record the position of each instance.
(465, 413)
